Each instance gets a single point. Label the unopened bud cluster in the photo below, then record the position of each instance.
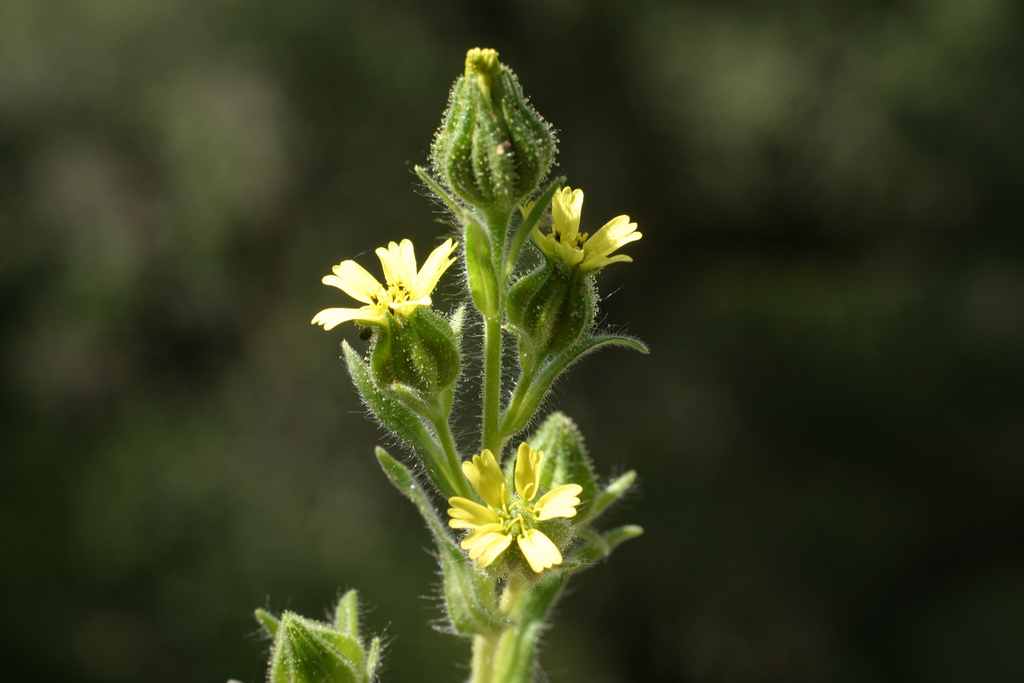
(308, 651)
(492, 150)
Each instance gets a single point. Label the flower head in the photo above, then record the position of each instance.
(576, 249)
(504, 518)
(405, 288)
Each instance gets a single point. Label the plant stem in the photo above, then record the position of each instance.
(492, 385)
(454, 465)
(510, 656)
(483, 659)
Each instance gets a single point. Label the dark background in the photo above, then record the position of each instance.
(829, 428)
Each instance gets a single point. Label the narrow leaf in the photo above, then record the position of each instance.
(267, 620)
(512, 424)
(469, 596)
(346, 615)
(439, 191)
(523, 232)
(615, 490)
(483, 284)
(599, 546)
(399, 419)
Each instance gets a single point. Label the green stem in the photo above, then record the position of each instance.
(483, 659)
(510, 656)
(457, 480)
(492, 385)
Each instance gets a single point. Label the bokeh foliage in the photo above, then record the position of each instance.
(830, 428)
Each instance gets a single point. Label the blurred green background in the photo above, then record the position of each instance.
(829, 427)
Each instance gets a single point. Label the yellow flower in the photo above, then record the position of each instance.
(503, 518)
(405, 288)
(565, 241)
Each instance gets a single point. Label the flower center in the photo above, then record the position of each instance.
(516, 517)
(581, 238)
(398, 293)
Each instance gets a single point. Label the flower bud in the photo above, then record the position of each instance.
(552, 308)
(308, 651)
(565, 457)
(492, 149)
(418, 355)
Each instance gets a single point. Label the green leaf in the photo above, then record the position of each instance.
(602, 545)
(373, 658)
(615, 490)
(483, 283)
(440, 192)
(267, 620)
(399, 419)
(346, 615)
(469, 596)
(513, 423)
(523, 232)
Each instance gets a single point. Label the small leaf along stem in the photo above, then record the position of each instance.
(497, 222)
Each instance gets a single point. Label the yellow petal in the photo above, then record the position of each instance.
(569, 252)
(538, 550)
(487, 543)
(615, 233)
(559, 502)
(332, 317)
(434, 267)
(486, 477)
(355, 281)
(566, 207)
(408, 259)
(389, 263)
(546, 243)
(395, 262)
(528, 472)
(467, 514)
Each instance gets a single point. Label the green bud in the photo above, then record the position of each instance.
(565, 458)
(492, 149)
(417, 357)
(551, 309)
(308, 651)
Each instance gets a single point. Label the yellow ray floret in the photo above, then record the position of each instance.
(502, 518)
(405, 288)
(576, 249)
